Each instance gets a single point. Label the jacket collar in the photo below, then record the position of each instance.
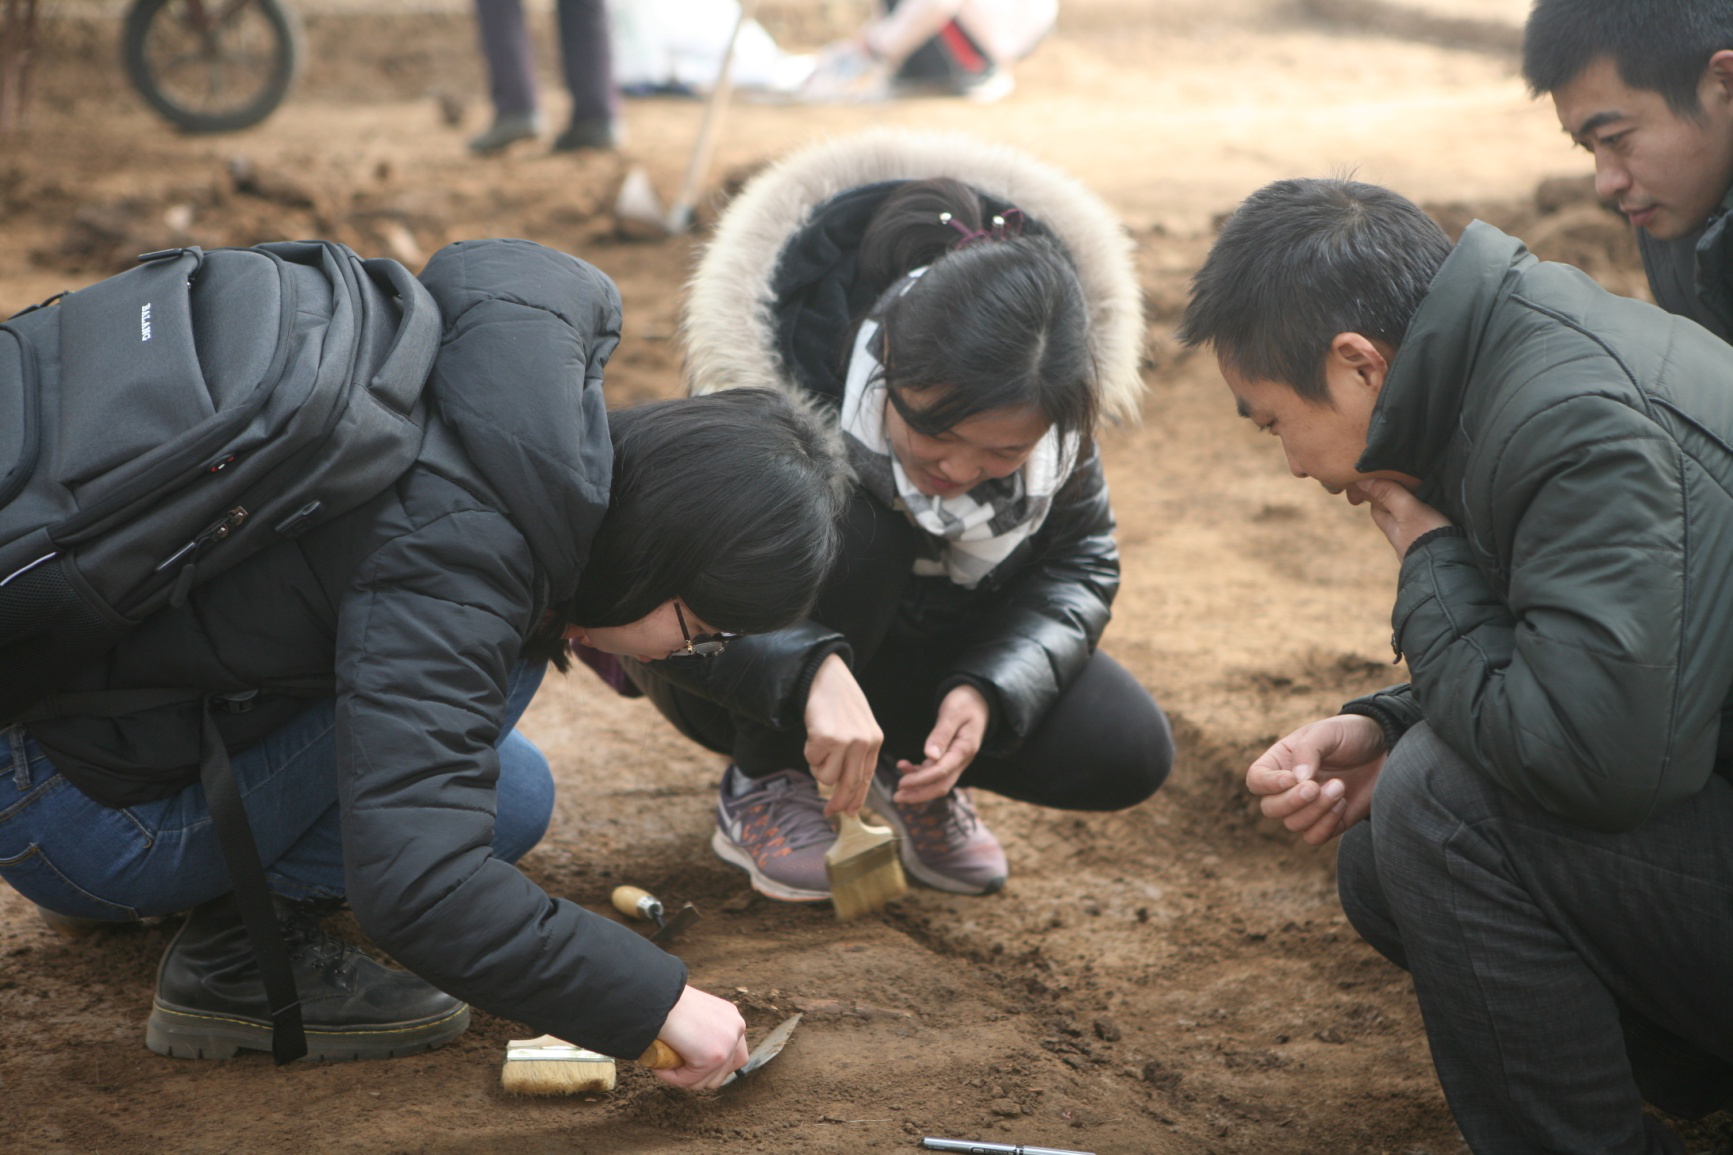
(1420, 405)
(1715, 264)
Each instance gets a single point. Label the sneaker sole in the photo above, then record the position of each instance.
(730, 853)
(880, 800)
(183, 1034)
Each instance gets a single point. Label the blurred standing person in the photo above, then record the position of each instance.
(955, 47)
(588, 63)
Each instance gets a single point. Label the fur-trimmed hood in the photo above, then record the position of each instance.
(729, 327)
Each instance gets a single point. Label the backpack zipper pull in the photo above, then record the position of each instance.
(216, 531)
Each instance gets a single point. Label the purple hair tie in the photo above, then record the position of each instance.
(1004, 226)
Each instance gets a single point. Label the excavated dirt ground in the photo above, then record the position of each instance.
(1178, 978)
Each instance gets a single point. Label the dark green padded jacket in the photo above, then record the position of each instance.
(1692, 275)
(1575, 643)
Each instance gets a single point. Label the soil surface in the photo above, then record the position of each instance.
(1176, 978)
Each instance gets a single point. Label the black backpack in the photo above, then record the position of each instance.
(162, 425)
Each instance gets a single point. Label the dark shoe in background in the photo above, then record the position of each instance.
(584, 135)
(508, 128)
(210, 1001)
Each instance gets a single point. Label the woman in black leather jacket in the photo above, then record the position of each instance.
(965, 315)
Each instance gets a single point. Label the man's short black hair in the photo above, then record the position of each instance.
(1303, 260)
(1659, 45)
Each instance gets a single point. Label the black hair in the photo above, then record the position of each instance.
(1303, 260)
(1000, 321)
(729, 502)
(1659, 45)
(909, 229)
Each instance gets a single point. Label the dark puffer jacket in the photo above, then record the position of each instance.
(1575, 643)
(773, 304)
(1692, 275)
(419, 603)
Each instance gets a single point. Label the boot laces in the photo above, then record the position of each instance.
(305, 936)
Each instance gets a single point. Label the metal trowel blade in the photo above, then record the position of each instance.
(671, 929)
(768, 1049)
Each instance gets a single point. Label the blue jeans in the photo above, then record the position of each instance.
(64, 851)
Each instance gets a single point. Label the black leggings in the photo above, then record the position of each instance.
(1103, 745)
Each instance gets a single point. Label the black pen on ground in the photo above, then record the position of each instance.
(980, 1147)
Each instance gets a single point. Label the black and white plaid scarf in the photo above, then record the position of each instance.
(976, 530)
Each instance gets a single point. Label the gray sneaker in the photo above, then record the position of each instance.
(777, 833)
(508, 128)
(943, 843)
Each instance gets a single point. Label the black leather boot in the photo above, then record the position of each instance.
(210, 1001)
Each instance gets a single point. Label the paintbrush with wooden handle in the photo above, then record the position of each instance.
(546, 1065)
(864, 869)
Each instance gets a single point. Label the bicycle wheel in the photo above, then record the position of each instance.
(211, 65)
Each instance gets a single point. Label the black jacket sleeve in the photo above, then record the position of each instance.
(1046, 619)
(427, 635)
(764, 677)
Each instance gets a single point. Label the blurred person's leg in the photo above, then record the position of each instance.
(586, 54)
(505, 45)
(1007, 30)
(907, 25)
(960, 46)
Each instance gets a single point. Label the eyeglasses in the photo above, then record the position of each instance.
(700, 645)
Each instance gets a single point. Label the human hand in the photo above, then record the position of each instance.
(957, 735)
(709, 1034)
(1318, 780)
(1402, 516)
(842, 736)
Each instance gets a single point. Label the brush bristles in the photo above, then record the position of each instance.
(549, 1066)
(866, 881)
(556, 1077)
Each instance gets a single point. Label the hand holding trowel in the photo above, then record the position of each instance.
(662, 1057)
(550, 1066)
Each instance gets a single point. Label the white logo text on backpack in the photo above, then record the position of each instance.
(144, 322)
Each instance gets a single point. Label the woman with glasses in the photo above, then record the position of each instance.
(964, 316)
(428, 616)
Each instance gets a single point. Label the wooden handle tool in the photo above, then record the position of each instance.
(551, 1066)
(634, 902)
(660, 1057)
(862, 865)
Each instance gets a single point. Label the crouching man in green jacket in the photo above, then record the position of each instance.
(1550, 839)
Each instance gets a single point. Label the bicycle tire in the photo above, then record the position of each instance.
(153, 19)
